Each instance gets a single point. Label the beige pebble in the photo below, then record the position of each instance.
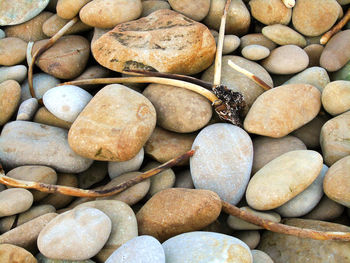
(17, 73)
(270, 12)
(34, 212)
(260, 257)
(257, 39)
(10, 95)
(55, 23)
(283, 35)
(150, 6)
(46, 117)
(196, 10)
(12, 51)
(249, 237)
(255, 52)
(336, 97)
(14, 201)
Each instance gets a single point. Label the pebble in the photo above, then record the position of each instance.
(12, 51)
(336, 97)
(42, 82)
(2, 34)
(10, 95)
(117, 115)
(341, 74)
(231, 43)
(239, 224)
(6, 223)
(260, 256)
(183, 179)
(250, 237)
(13, 13)
(293, 106)
(150, 6)
(10, 253)
(222, 149)
(337, 51)
(68, 9)
(30, 30)
(326, 210)
(165, 145)
(314, 52)
(27, 109)
(288, 59)
(179, 110)
(257, 39)
(283, 178)
(334, 138)
(14, 201)
(239, 82)
(42, 174)
(270, 12)
(55, 23)
(283, 35)
(196, 10)
(118, 168)
(313, 18)
(66, 102)
(237, 20)
(29, 143)
(42, 259)
(66, 59)
(191, 51)
(96, 173)
(45, 117)
(304, 202)
(133, 194)
(92, 72)
(124, 224)
(141, 249)
(288, 248)
(176, 210)
(83, 229)
(17, 73)
(315, 76)
(206, 247)
(255, 52)
(34, 212)
(266, 149)
(337, 180)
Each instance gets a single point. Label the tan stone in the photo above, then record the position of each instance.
(255, 52)
(283, 178)
(114, 126)
(283, 35)
(176, 210)
(165, 41)
(46, 117)
(68, 9)
(34, 212)
(249, 237)
(14, 201)
(55, 23)
(257, 39)
(195, 10)
(336, 97)
(12, 51)
(13, 254)
(260, 257)
(293, 106)
(270, 12)
(10, 95)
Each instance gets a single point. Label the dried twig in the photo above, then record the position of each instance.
(42, 49)
(324, 39)
(281, 228)
(72, 191)
(289, 3)
(250, 75)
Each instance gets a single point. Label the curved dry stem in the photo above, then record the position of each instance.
(289, 3)
(281, 228)
(173, 82)
(327, 36)
(72, 191)
(41, 50)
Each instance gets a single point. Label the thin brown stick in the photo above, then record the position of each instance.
(327, 36)
(250, 75)
(72, 191)
(218, 57)
(41, 50)
(283, 229)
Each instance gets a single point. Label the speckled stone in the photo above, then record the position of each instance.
(206, 247)
(14, 201)
(141, 249)
(226, 150)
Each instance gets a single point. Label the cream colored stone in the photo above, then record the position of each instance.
(336, 97)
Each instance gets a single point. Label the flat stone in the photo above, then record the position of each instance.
(205, 247)
(222, 149)
(10, 95)
(17, 73)
(250, 237)
(161, 181)
(45, 117)
(304, 202)
(12, 51)
(293, 106)
(29, 143)
(78, 234)
(176, 210)
(283, 178)
(326, 210)
(27, 109)
(260, 256)
(336, 97)
(11, 253)
(14, 201)
(283, 35)
(257, 39)
(266, 149)
(314, 52)
(190, 53)
(118, 168)
(334, 138)
(255, 52)
(288, 59)
(196, 10)
(270, 12)
(115, 116)
(96, 173)
(288, 248)
(150, 6)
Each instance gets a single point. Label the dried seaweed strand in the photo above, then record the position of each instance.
(327, 36)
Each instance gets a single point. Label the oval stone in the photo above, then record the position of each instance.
(12, 51)
(11, 254)
(250, 237)
(270, 12)
(260, 257)
(222, 161)
(68, 9)
(255, 52)
(27, 109)
(293, 106)
(17, 73)
(206, 247)
(283, 178)
(314, 52)
(14, 201)
(326, 210)
(34, 212)
(177, 210)
(10, 97)
(196, 10)
(257, 39)
(55, 23)
(118, 168)
(283, 35)
(336, 97)
(150, 6)
(77, 234)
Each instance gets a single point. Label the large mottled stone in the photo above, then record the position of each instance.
(114, 126)
(206, 247)
(282, 110)
(283, 178)
(287, 248)
(165, 41)
(222, 161)
(30, 143)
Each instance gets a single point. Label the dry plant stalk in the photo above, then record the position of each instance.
(41, 50)
(72, 191)
(335, 29)
(289, 3)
